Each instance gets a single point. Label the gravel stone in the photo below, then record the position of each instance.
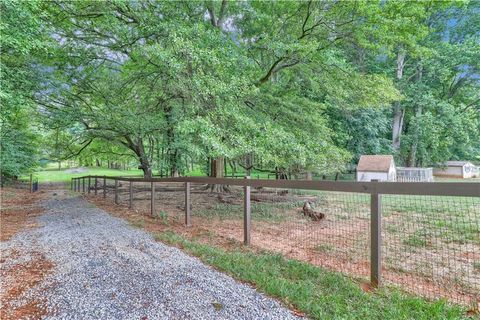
(106, 269)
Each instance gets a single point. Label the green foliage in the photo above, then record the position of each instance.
(290, 86)
(162, 216)
(319, 293)
(17, 148)
(441, 89)
(46, 176)
(21, 38)
(202, 89)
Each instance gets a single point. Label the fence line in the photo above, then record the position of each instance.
(374, 189)
(459, 189)
(31, 183)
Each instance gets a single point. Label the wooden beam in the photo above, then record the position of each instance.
(188, 218)
(247, 223)
(462, 189)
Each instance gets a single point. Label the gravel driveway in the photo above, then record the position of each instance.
(106, 269)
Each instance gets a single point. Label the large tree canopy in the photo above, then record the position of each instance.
(284, 86)
(22, 37)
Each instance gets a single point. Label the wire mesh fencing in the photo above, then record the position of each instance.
(329, 229)
(430, 244)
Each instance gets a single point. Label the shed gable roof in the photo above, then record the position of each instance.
(375, 163)
(457, 163)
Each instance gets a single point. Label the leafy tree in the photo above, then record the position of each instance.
(276, 86)
(442, 100)
(22, 37)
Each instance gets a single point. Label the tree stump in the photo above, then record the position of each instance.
(308, 211)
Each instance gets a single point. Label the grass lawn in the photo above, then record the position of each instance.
(54, 175)
(320, 294)
(64, 176)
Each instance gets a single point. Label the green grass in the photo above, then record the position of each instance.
(62, 176)
(417, 240)
(52, 174)
(476, 266)
(454, 219)
(319, 293)
(162, 216)
(139, 223)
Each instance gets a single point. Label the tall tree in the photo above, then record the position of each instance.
(22, 38)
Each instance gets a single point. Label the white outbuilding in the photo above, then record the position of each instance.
(457, 169)
(376, 167)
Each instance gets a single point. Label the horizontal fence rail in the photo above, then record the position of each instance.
(31, 183)
(372, 228)
(459, 189)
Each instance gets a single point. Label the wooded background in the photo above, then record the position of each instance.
(287, 86)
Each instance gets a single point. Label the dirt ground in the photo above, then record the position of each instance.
(18, 207)
(339, 242)
(434, 268)
(16, 280)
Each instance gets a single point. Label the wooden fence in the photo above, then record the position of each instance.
(31, 183)
(374, 188)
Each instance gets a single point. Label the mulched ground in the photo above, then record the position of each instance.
(18, 209)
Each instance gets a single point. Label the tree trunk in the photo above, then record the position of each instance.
(248, 160)
(225, 173)
(280, 174)
(233, 168)
(217, 170)
(412, 155)
(139, 150)
(174, 163)
(398, 110)
(309, 175)
(145, 166)
(398, 116)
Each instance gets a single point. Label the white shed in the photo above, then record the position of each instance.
(457, 169)
(376, 167)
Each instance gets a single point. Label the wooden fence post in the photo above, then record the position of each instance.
(246, 214)
(83, 184)
(89, 184)
(96, 186)
(152, 199)
(188, 218)
(130, 198)
(31, 182)
(116, 191)
(104, 186)
(375, 238)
